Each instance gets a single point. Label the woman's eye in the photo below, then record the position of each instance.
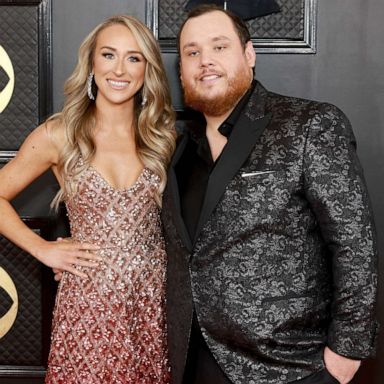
(133, 59)
(108, 56)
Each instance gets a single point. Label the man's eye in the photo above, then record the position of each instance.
(193, 53)
(220, 48)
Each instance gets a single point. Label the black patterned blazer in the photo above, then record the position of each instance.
(284, 260)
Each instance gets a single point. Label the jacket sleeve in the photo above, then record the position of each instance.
(335, 188)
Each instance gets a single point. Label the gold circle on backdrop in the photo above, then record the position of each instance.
(7, 92)
(9, 318)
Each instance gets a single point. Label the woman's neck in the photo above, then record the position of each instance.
(116, 118)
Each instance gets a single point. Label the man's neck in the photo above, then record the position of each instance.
(214, 122)
(215, 139)
(216, 142)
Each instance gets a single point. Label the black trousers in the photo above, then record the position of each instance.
(322, 377)
(202, 368)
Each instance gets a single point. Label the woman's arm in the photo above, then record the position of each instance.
(37, 154)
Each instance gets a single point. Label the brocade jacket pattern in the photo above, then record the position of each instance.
(284, 259)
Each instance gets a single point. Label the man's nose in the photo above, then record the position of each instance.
(206, 59)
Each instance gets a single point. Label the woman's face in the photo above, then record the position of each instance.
(118, 65)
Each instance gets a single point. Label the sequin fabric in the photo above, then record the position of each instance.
(110, 328)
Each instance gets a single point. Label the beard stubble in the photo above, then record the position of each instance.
(221, 103)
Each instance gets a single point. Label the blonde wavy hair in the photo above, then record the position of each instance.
(154, 121)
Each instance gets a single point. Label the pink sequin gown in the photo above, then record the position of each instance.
(110, 328)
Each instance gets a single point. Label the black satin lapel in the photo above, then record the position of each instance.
(240, 145)
(175, 196)
(179, 150)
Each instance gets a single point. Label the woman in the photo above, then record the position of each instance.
(109, 149)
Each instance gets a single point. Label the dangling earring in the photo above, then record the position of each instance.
(89, 86)
(144, 101)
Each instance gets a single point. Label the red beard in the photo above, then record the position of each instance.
(220, 104)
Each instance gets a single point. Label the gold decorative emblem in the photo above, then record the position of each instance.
(7, 92)
(9, 318)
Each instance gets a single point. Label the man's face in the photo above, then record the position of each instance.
(215, 70)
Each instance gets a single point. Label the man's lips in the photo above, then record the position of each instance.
(209, 76)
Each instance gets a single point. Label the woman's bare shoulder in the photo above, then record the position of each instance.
(46, 140)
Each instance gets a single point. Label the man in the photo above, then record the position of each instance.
(270, 240)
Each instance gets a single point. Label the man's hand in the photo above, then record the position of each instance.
(340, 367)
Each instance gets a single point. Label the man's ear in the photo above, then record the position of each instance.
(250, 54)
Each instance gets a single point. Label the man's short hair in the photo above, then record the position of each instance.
(239, 25)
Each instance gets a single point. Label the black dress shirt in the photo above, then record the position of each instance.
(196, 165)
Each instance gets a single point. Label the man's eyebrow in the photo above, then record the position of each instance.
(218, 38)
(214, 39)
(189, 45)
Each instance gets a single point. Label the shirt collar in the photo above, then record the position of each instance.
(227, 126)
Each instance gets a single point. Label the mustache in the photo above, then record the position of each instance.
(209, 72)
